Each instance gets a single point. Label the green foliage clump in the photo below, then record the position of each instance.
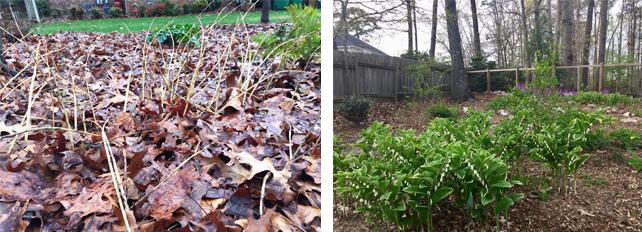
(171, 9)
(596, 98)
(422, 71)
(597, 181)
(401, 176)
(544, 72)
(58, 12)
(355, 109)
(205, 5)
(416, 55)
(302, 40)
(43, 7)
(115, 12)
(175, 34)
(96, 13)
(187, 8)
(636, 162)
(627, 137)
(76, 12)
(443, 110)
(597, 139)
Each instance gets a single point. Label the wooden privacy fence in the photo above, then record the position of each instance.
(577, 79)
(379, 77)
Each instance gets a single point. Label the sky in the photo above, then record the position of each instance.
(394, 42)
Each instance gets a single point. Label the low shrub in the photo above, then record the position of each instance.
(115, 12)
(171, 9)
(96, 13)
(76, 12)
(156, 10)
(176, 34)
(58, 12)
(355, 109)
(141, 10)
(213, 5)
(187, 8)
(43, 8)
(443, 110)
(199, 6)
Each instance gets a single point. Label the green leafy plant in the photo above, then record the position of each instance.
(420, 72)
(301, 40)
(171, 9)
(58, 12)
(617, 157)
(76, 12)
(187, 8)
(175, 34)
(544, 72)
(636, 162)
(443, 110)
(96, 13)
(627, 137)
(414, 105)
(355, 109)
(597, 181)
(115, 12)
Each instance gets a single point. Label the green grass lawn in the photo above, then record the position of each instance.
(141, 24)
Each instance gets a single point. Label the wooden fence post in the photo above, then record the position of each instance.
(356, 75)
(487, 80)
(516, 76)
(601, 77)
(395, 79)
(579, 76)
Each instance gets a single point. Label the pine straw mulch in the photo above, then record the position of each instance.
(615, 206)
(108, 133)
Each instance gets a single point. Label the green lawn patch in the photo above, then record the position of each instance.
(142, 24)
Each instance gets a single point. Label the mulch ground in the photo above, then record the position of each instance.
(615, 205)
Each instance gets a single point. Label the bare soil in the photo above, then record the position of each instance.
(614, 205)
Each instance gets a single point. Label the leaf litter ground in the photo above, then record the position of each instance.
(229, 133)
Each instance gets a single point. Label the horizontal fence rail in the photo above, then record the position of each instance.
(381, 78)
(516, 70)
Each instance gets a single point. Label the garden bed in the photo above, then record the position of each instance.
(609, 191)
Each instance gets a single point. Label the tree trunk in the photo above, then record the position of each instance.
(566, 21)
(596, 37)
(525, 40)
(476, 40)
(632, 45)
(587, 42)
(619, 49)
(414, 22)
(460, 90)
(409, 19)
(603, 26)
(433, 33)
(265, 11)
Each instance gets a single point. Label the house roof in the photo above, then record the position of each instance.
(353, 41)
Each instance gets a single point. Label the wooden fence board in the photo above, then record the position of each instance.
(380, 78)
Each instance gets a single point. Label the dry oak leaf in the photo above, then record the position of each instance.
(170, 196)
(11, 216)
(264, 223)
